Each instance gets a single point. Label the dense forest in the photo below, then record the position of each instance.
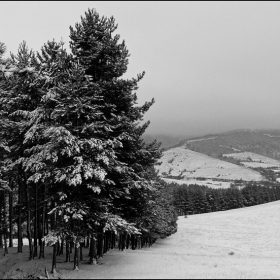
(195, 199)
(74, 169)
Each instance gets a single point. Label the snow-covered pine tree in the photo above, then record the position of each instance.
(105, 60)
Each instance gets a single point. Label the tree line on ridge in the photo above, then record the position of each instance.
(195, 199)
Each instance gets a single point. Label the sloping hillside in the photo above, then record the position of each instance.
(184, 163)
(262, 142)
(254, 160)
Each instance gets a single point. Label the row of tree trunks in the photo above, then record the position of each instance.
(99, 244)
(6, 220)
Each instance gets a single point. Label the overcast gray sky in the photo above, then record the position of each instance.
(211, 66)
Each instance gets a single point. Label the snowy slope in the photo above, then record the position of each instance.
(235, 244)
(254, 160)
(189, 164)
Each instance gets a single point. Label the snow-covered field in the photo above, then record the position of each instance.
(209, 183)
(241, 243)
(189, 164)
(254, 160)
(15, 242)
(258, 164)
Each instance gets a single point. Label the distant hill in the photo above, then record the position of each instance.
(239, 155)
(262, 142)
(183, 163)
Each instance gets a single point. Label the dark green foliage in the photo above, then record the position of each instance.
(195, 199)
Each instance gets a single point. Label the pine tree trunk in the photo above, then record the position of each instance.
(54, 259)
(113, 240)
(133, 242)
(28, 229)
(100, 244)
(109, 240)
(1, 220)
(53, 217)
(58, 247)
(5, 224)
(93, 257)
(67, 251)
(123, 241)
(20, 243)
(120, 241)
(42, 247)
(81, 251)
(35, 250)
(11, 214)
(71, 246)
(47, 223)
(105, 243)
(40, 234)
(5, 242)
(61, 246)
(87, 242)
(76, 258)
(127, 241)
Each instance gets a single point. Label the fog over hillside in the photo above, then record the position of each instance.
(166, 140)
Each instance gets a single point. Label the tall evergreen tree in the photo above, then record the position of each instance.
(104, 61)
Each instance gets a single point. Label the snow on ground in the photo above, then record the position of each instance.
(241, 243)
(15, 242)
(258, 164)
(209, 183)
(254, 160)
(189, 164)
